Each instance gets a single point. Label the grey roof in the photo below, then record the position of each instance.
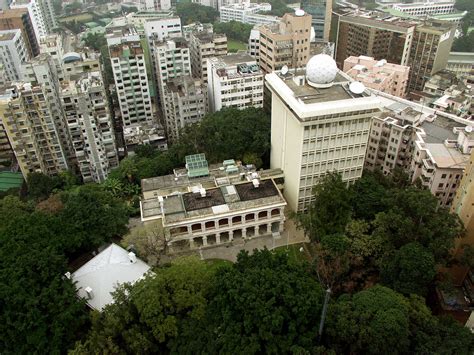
(440, 129)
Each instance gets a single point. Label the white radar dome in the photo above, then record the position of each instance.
(321, 70)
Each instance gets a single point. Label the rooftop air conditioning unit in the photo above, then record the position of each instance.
(132, 257)
(89, 292)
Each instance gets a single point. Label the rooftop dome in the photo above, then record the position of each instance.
(71, 57)
(321, 70)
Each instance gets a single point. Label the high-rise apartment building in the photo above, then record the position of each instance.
(89, 124)
(378, 74)
(320, 11)
(234, 80)
(375, 35)
(286, 43)
(171, 59)
(391, 138)
(13, 52)
(42, 72)
(127, 57)
(204, 45)
(41, 13)
(320, 123)
(184, 102)
(429, 51)
(32, 129)
(20, 19)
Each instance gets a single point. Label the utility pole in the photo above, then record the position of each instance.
(323, 313)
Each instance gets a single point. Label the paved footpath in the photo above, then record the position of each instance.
(229, 252)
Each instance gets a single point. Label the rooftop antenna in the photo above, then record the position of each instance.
(284, 70)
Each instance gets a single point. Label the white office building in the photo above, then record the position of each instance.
(154, 5)
(234, 80)
(320, 123)
(426, 8)
(161, 29)
(247, 13)
(13, 53)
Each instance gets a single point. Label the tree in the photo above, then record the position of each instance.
(262, 304)
(413, 215)
(368, 196)
(40, 186)
(40, 310)
(234, 30)
(411, 269)
(148, 240)
(149, 315)
(91, 216)
(330, 210)
(191, 12)
(373, 321)
(95, 41)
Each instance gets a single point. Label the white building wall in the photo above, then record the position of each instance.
(163, 28)
(13, 53)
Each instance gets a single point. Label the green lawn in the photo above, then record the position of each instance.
(234, 46)
(295, 253)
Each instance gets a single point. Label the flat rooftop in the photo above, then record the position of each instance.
(193, 205)
(447, 157)
(218, 176)
(7, 35)
(234, 59)
(440, 129)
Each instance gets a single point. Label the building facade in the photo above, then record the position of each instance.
(32, 130)
(42, 15)
(89, 123)
(204, 45)
(246, 12)
(12, 19)
(184, 102)
(462, 64)
(226, 205)
(286, 43)
(320, 11)
(439, 163)
(234, 80)
(378, 74)
(425, 8)
(13, 52)
(373, 35)
(429, 51)
(160, 29)
(319, 125)
(127, 57)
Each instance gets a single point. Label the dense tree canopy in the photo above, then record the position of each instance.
(272, 305)
(330, 211)
(379, 320)
(150, 315)
(40, 310)
(234, 30)
(411, 269)
(190, 12)
(383, 223)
